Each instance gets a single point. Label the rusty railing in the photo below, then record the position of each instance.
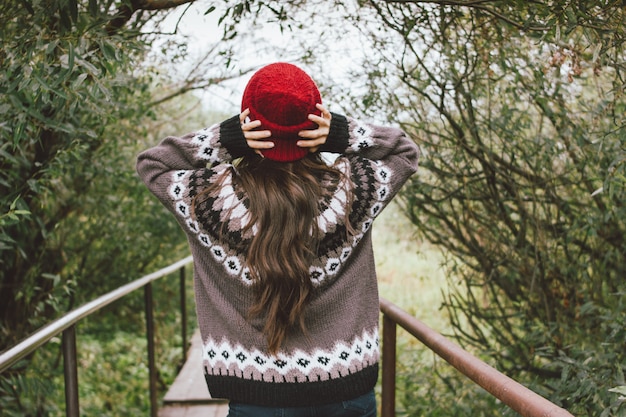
(519, 398)
(67, 326)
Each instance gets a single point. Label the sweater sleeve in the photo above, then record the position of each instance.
(379, 146)
(203, 149)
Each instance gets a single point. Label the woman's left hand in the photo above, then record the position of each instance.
(316, 137)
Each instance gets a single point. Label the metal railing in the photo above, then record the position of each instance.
(519, 398)
(67, 326)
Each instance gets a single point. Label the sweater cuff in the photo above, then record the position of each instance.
(338, 135)
(232, 138)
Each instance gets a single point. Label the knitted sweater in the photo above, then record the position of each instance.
(337, 357)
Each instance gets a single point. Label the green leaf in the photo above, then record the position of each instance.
(55, 278)
(79, 81)
(47, 86)
(51, 46)
(70, 57)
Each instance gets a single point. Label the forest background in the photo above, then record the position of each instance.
(519, 109)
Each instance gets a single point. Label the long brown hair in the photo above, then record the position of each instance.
(284, 205)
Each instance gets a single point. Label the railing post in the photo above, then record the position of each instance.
(388, 406)
(183, 312)
(151, 356)
(70, 372)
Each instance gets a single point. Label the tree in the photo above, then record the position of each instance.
(68, 87)
(77, 104)
(519, 108)
(76, 97)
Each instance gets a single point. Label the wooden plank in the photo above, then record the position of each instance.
(190, 385)
(198, 410)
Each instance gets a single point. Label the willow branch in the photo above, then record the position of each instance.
(127, 9)
(481, 5)
(187, 88)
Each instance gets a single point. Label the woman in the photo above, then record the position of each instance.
(284, 272)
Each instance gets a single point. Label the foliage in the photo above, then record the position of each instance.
(113, 370)
(76, 99)
(27, 394)
(428, 386)
(75, 220)
(519, 110)
(63, 93)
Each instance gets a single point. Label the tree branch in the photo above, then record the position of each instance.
(478, 5)
(185, 89)
(127, 9)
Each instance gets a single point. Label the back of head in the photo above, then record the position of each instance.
(282, 96)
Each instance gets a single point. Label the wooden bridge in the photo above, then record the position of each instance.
(188, 396)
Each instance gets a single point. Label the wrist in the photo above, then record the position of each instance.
(232, 138)
(338, 135)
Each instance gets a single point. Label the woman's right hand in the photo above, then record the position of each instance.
(256, 139)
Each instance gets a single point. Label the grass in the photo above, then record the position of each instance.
(410, 275)
(409, 272)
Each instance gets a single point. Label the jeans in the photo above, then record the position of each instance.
(363, 406)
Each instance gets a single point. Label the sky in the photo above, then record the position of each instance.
(263, 46)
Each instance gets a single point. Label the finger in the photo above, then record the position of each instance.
(325, 113)
(324, 119)
(260, 144)
(311, 143)
(314, 134)
(245, 126)
(319, 120)
(256, 134)
(311, 147)
(243, 115)
(250, 133)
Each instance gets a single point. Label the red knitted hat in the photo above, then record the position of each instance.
(282, 96)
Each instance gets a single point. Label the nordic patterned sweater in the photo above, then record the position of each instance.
(337, 358)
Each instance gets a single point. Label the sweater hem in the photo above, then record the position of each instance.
(300, 394)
